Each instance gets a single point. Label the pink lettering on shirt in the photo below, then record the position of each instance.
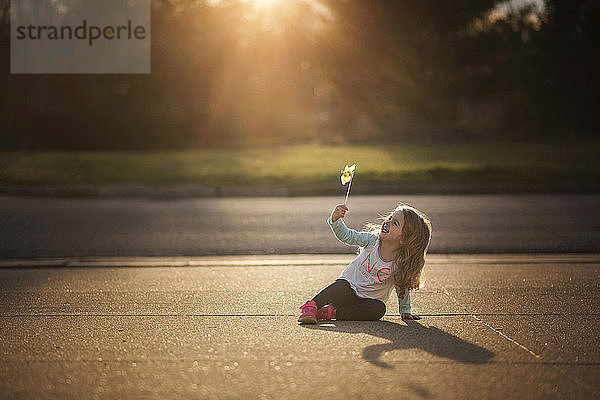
(383, 274)
(368, 261)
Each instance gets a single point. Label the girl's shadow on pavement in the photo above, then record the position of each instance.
(412, 335)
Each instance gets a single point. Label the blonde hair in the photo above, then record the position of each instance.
(414, 241)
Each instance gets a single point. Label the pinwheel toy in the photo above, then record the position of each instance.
(347, 175)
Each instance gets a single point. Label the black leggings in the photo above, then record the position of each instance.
(347, 304)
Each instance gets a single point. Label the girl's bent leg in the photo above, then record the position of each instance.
(362, 310)
(338, 294)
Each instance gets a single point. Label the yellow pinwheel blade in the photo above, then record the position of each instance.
(345, 178)
(347, 174)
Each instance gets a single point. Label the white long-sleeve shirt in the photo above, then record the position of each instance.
(369, 275)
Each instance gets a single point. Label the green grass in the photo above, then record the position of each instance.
(286, 166)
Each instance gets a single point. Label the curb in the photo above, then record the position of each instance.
(287, 260)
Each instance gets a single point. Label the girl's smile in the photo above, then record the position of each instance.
(391, 229)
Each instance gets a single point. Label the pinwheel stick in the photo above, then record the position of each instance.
(348, 191)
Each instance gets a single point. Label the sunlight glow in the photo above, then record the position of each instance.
(264, 82)
(265, 3)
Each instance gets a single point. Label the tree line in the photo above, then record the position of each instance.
(243, 73)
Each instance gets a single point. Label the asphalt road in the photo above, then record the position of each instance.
(493, 327)
(72, 227)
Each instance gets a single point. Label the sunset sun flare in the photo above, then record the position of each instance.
(265, 3)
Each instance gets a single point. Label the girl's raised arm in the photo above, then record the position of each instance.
(346, 235)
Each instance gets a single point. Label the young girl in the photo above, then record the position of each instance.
(392, 255)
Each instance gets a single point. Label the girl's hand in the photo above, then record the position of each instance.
(410, 316)
(338, 212)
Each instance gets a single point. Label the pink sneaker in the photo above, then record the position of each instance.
(309, 313)
(326, 312)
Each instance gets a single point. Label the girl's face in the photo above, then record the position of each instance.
(391, 229)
